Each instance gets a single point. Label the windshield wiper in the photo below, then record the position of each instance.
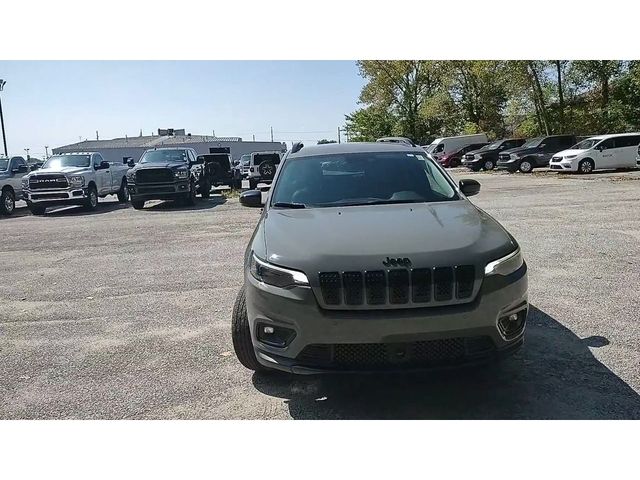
(289, 205)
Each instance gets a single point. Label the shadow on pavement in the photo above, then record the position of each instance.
(103, 207)
(554, 376)
(201, 204)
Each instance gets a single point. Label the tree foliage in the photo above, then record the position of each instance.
(426, 99)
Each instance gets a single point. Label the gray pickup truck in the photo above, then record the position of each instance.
(74, 179)
(11, 172)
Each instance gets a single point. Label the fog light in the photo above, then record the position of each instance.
(512, 325)
(274, 335)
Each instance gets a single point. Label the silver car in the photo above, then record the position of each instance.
(368, 257)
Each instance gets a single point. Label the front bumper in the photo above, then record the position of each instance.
(562, 166)
(158, 191)
(455, 327)
(511, 165)
(59, 196)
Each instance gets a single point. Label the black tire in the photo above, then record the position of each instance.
(241, 335)
(37, 209)
(586, 166)
(7, 202)
(92, 201)
(205, 190)
(267, 170)
(488, 165)
(454, 162)
(253, 183)
(123, 193)
(137, 204)
(190, 196)
(525, 166)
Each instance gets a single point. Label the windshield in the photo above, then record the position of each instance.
(4, 164)
(534, 142)
(59, 161)
(493, 145)
(360, 179)
(432, 147)
(586, 144)
(164, 156)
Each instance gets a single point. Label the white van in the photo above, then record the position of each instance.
(446, 145)
(598, 153)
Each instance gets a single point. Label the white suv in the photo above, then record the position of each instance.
(598, 153)
(262, 167)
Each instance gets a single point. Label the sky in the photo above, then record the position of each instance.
(55, 103)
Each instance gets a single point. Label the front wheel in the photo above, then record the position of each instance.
(488, 165)
(525, 166)
(454, 162)
(137, 204)
(205, 190)
(586, 166)
(190, 196)
(92, 201)
(7, 202)
(241, 334)
(123, 193)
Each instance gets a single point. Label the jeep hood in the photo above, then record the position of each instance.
(361, 237)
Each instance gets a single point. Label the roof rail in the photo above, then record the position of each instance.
(404, 140)
(297, 147)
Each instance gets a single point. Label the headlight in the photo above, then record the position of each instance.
(183, 173)
(76, 181)
(514, 156)
(505, 265)
(276, 276)
(25, 182)
(569, 157)
(131, 177)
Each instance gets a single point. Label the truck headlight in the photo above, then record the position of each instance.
(514, 156)
(505, 265)
(569, 157)
(131, 178)
(276, 276)
(25, 182)
(182, 173)
(76, 181)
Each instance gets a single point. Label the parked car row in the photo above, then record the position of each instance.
(566, 153)
(172, 173)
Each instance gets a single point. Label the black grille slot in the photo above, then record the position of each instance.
(375, 286)
(443, 283)
(504, 157)
(41, 182)
(380, 356)
(421, 285)
(465, 277)
(331, 287)
(398, 286)
(154, 175)
(353, 288)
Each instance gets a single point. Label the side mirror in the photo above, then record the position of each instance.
(21, 169)
(34, 167)
(469, 187)
(600, 147)
(104, 165)
(131, 163)
(542, 146)
(236, 163)
(251, 198)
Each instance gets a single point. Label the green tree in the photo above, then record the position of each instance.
(369, 123)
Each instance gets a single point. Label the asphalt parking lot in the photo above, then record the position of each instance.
(126, 314)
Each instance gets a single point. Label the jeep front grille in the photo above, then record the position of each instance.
(376, 356)
(44, 181)
(154, 175)
(419, 286)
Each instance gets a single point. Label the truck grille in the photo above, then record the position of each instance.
(376, 356)
(397, 286)
(43, 181)
(154, 175)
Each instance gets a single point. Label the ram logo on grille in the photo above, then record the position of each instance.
(396, 262)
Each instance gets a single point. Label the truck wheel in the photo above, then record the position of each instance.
(37, 210)
(137, 204)
(123, 193)
(190, 196)
(488, 165)
(267, 170)
(525, 166)
(92, 201)
(205, 190)
(7, 202)
(454, 162)
(241, 335)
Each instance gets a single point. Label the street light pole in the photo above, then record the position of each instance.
(4, 136)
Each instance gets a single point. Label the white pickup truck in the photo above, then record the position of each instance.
(74, 179)
(11, 172)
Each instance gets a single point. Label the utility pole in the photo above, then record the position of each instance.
(97, 136)
(272, 134)
(4, 136)
(46, 152)
(254, 137)
(27, 150)
(338, 134)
